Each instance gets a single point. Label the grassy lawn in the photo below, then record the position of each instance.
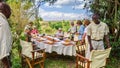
(60, 61)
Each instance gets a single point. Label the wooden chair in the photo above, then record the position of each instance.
(97, 59)
(30, 56)
(80, 49)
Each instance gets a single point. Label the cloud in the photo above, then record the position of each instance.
(81, 6)
(52, 6)
(55, 15)
(64, 2)
(78, 4)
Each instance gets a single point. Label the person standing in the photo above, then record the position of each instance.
(5, 34)
(96, 32)
(72, 30)
(84, 37)
(80, 31)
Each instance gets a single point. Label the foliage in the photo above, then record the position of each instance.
(60, 24)
(18, 20)
(20, 17)
(109, 11)
(115, 48)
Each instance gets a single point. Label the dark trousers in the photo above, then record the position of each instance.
(6, 61)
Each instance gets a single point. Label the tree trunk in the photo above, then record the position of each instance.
(118, 33)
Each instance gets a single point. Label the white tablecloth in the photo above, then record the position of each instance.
(57, 47)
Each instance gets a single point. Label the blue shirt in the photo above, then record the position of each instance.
(81, 32)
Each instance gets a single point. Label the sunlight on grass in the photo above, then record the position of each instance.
(58, 64)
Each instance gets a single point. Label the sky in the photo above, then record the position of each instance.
(64, 10)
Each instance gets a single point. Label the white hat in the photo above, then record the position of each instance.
(60, 29)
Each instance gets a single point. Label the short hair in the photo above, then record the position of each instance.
(31, 22)
(79, 22)
(5, 9)
(95, 16)
(72, 22)
(86, 21)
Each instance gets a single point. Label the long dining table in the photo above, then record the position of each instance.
(58, 46)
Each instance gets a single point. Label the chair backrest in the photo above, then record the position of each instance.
(26, 48)
(98, 58)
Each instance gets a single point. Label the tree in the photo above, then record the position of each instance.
(109, 11)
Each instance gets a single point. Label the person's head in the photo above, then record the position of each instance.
(86, 22)
(30, 23)
(5, 9)
(72, 23)
(79, 23)
(60, 29)
(95, 18)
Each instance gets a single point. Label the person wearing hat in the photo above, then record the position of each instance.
(59, 33)
(96, 32)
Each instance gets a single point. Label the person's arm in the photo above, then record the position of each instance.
(69, 30)
(83, 38)
(89, 41)
(106, 36)
(107, 41)
(89, 37)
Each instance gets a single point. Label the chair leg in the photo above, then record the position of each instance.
(42, 65)
(23, 62)
(27, 60)
(77, 62)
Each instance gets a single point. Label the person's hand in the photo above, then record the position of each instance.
(91, 48)
(108, 45)
(81, 43)
(77, 33)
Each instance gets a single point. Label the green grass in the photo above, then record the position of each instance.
(61, 61)
(113, 63)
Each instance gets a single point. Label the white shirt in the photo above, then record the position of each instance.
(85, 31)
(97, 31)
(59, 34)
(73, 29)
(5, 37)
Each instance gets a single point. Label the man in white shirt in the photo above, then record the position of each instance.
(96, 32)
(5, 34)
